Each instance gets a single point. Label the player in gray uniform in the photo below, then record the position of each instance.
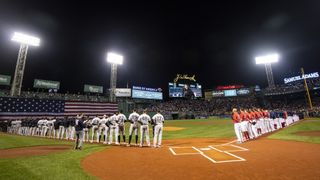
(95, 126)
(121, 119)
(114, 128)
(87, 126)
(144, 120)
(134, 126)
(158, 121)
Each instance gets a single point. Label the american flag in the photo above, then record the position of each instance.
(20, 108)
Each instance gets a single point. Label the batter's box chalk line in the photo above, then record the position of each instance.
(202, 152)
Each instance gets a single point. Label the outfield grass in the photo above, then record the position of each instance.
(305, 125)
(62, 165)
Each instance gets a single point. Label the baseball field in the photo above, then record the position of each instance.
(192, 149)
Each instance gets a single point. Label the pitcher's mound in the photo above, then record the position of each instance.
(32, 151)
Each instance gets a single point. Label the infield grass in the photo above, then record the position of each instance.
(306, 125)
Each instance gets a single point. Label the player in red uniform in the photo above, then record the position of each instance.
(236, 122)
(244, 125)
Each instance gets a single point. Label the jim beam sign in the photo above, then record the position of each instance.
(184, 77)
(46, 84)
(5, 80)
(93, 89)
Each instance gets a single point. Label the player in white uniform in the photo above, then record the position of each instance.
(44, 128)
(134, 126)
(158, 121)
(144, 120)
(95, 123)
(121, 119)
(114, 129)
(103, 128)
(86, 129)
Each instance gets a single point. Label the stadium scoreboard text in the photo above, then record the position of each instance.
(147, 93)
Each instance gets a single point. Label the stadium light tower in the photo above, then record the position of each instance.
(267, 60)
(115, 60)
(25, 41)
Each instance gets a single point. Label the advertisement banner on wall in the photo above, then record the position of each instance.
(123, 92)
(46, 84)
(93, 89)
(5, 80)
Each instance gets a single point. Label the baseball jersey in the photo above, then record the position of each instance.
(113, 120)
(158, 119)
(236, 117)
(95, 121)
(103, 121)
(121, 118)
(144, 119)
(133, 117)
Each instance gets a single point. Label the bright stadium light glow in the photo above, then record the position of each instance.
(114, 58)
(268, 59)
(25, 39)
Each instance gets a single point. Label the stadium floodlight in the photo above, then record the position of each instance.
(267, 60)
(272, 58)
(114, 58)
(25, 39)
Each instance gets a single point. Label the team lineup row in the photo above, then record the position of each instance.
(104, 127)
(250, 124)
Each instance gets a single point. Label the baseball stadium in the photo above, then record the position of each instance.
(119, 91)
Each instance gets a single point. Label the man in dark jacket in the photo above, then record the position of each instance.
(79, 131)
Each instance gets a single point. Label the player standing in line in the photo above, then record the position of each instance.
(103, 128)
(158, 121)
(236, 123)
(254, 123)
(114, 129)
(95, 122)
(133, 118)
(121, 119)
(144, 120)
(249, 119)
(44, 127)
(86, 129)
(244, 125)
(78, 125)
(72, 128)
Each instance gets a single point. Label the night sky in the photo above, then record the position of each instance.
(217, 42)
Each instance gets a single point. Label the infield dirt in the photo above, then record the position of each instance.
(265, 159)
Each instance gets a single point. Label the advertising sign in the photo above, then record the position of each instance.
(46, 84)
(93, 89)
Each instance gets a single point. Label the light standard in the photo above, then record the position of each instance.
(115, 60)
(267, 60)
(25, 41)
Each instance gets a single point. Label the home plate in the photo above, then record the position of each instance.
(205, 149)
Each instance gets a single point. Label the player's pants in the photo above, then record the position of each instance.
(60, 132)
(133, 128)
(86, 134)
(79, 139)
(72, 132)
(44, 131)
(144, 130)
(157, 134)
(251, 135)
(105, 130)
(114, 129)
(237, 130)
(122, 132)
(94, 129)
(254, 129)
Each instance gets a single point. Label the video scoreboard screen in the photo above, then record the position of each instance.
(146, 93)
(178, 90)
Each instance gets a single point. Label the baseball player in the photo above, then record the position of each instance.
(86, 129)
(244, 125)
(95, 125)
(114, 129)
(133, 119)
(144, 120)
(103, 128)
(121, 119)
(44, 128)
(158, 121)
(236, 124)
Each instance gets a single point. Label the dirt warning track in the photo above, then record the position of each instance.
(263, 159)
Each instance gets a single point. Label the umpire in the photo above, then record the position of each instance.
(79, 131)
